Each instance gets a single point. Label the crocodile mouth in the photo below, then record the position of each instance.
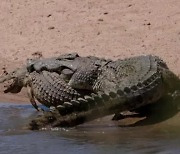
(11, 86)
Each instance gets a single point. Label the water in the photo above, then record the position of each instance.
(102, 136)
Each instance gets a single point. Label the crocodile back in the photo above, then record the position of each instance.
(127, 73)
(49, 89)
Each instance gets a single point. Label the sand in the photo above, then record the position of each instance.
(104, 28)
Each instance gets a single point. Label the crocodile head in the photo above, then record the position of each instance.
(16, 80)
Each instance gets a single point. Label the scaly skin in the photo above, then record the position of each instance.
(46, 87)
(118, 74)
(49, 89)
(69, 65)
(54, 64)
(98, 106)
(65, 65)
(120, 85)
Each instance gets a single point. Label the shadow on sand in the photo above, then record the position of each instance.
(160, 111)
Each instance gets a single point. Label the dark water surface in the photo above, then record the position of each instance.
(95, 137)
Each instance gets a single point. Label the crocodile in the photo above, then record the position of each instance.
(111, 86)
(46, 79)
(115, 86)
(46, 87)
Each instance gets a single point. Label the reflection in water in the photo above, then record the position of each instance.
(99, 136)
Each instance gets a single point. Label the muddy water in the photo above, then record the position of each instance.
(101, 136)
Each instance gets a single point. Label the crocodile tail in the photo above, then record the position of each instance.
(78, 111)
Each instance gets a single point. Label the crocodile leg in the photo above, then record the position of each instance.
(31, 97)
